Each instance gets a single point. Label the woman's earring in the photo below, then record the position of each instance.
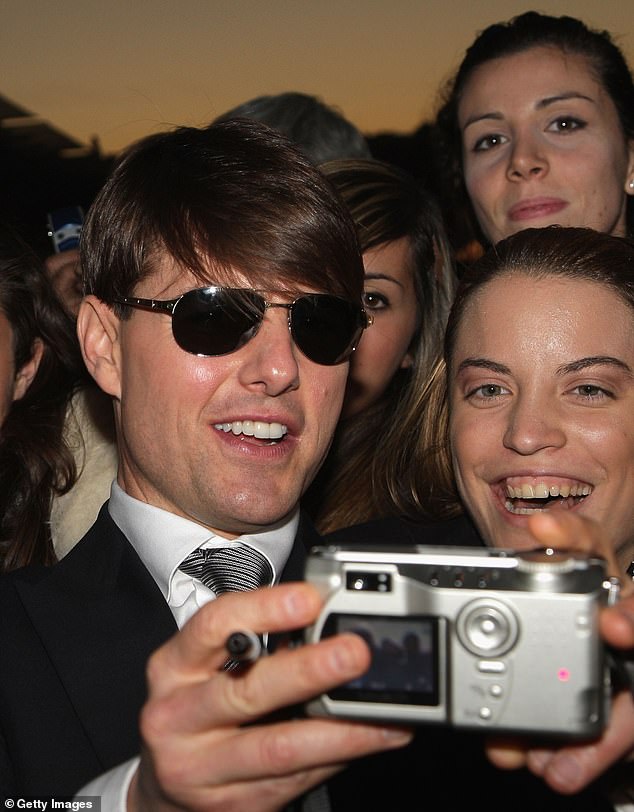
(631, 184)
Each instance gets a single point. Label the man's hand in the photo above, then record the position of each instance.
(570, 768)
(202, 748)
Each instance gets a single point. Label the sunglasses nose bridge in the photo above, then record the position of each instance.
(288, 306)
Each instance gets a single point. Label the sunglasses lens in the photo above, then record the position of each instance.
(213, 321)
(326, 328)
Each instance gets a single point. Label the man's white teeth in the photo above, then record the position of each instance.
(254, 428)
(543, 491)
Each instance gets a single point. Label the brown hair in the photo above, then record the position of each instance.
(369, 468)
(35, 462)
(234, 196)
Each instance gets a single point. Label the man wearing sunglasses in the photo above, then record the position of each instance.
(224, 289)
(223, 284)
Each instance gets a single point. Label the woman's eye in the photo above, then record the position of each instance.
(489, 142)
(590, 391)
(487, 391)
(375, 301)
(566, 124)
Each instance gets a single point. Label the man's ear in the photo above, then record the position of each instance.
(24, 376)
(98, 333)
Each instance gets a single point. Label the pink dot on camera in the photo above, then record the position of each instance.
(563, 675)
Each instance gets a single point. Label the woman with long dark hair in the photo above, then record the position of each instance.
(40, 364)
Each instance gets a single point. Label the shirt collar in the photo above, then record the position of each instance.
(162, 539)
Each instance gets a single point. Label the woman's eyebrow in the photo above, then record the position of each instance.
(482, 117)
(385, 276)
(540, 105)
(484, 363)
(571, 94)
(593, 361)
(564, 369)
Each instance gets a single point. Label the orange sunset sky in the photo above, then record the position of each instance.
(125, 68)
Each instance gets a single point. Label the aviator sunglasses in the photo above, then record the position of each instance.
(217, 321)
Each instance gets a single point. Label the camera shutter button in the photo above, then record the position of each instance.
(546, 560)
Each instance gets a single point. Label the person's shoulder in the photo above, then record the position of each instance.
(458, 531)
(95, 553)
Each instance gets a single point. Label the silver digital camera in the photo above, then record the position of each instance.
(468, 637)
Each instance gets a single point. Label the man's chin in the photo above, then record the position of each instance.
(257, 518)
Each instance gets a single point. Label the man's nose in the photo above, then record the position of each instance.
(271, 362)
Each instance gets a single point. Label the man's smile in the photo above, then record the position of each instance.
(258, 429)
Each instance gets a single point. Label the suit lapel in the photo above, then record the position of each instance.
(100, 614)
(306, 538)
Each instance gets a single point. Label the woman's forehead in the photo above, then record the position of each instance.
(522, 311)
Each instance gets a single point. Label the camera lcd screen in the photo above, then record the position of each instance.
(404, 668)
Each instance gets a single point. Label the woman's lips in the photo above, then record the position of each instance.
(536, 208)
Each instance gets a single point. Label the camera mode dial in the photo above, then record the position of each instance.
(487, 628)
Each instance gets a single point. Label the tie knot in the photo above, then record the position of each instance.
(236, 568)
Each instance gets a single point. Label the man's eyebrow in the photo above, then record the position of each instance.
(484, 363)
(541, 104)
(593, 361)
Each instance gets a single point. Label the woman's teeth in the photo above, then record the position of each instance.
(543, 491)
(526, 498)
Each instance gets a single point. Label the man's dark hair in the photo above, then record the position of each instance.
(232, 198)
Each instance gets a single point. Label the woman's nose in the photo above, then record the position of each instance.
(527, 159)
(533, 427)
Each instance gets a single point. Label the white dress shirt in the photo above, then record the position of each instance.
(162, 541)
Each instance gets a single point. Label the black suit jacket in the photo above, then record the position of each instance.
(74, 641)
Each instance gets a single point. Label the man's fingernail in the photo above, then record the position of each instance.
(397, 736)
(537, 760)
(566, 772)
(341, 659)
(296, 603)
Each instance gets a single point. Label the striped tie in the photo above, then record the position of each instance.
(237, 568)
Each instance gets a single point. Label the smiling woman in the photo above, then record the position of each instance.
(536, 410)
(541, 387)
(527, 429)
